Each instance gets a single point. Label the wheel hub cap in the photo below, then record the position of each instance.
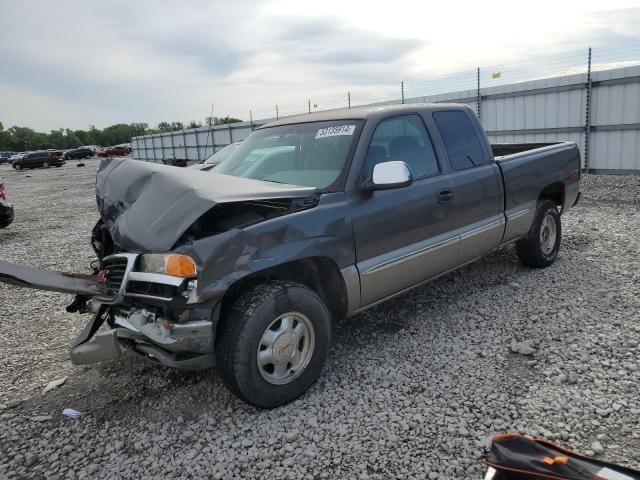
(548, 234)
(285, 348)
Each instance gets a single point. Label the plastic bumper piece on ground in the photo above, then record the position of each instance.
(103, 346)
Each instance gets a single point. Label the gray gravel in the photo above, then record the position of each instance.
(412, 388)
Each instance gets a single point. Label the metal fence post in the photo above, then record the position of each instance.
(402, 90)
(478, 97)
(153, 147)
(349, 99)
(251, 120)
(277, 114)
(173, 147)
(309, 104)
(198, 145)
(587, 120)
(184, 141)
(230, 134)
(210, 132)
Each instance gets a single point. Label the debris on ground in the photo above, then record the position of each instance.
(70, 412)
(54, 384)
(523, 348)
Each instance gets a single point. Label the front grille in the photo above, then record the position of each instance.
(151, 289)
(116, 268)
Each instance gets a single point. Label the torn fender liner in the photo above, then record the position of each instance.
(514, 457)
(49, 280)
(148, 206)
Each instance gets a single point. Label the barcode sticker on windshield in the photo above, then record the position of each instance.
(335, 131)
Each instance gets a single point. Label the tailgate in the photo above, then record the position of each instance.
(41, 279)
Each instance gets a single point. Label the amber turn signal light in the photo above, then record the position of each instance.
(180, 266)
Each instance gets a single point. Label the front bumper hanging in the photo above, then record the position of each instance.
(104, 346)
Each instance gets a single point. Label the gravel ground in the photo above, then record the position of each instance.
(412, 388)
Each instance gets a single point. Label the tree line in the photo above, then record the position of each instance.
(20, 139)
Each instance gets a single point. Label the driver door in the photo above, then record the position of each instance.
(402, 235)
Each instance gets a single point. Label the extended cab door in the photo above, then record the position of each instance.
(477, 194)
(402, 236)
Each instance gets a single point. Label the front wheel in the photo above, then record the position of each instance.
(17, 166)
(273, 343)
(539, 248)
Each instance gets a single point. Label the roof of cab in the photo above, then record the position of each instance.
(361, 113)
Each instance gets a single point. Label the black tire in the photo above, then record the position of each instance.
(241, 333)
(17, 166)
(531, 249)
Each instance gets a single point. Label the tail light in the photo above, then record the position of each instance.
(3, 191)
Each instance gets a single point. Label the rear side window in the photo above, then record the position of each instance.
(403, 138)
(460, 139)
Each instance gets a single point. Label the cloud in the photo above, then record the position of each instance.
(328, 41)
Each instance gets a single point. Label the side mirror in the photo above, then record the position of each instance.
(388, 175)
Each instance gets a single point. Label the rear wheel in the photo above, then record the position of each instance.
(273, 343)
(45, 165)
(540, 247)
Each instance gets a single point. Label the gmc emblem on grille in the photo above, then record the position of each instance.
(102, 276)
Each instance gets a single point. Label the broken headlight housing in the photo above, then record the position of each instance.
(174, 264)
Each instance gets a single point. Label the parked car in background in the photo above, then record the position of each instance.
(6, 209)
(4, 157)
(39, 159)
(117, 150)
(16, 156)
(176, 162)
(217, 158)
(77, 153)
(93, 148)
(126, 146)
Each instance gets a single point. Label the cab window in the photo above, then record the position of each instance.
(460, 139)
(403, 138)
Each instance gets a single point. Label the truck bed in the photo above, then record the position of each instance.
(529, 168)
(504, 149)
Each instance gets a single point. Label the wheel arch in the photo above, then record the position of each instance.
(320, 274)
(554, 192)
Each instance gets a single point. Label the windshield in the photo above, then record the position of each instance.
(221, 155)
(306, 154)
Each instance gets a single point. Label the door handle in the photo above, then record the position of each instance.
(445, 195)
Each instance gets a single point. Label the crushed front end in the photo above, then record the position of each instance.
(150, 304)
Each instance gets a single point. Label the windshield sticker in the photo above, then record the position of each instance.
(335, 131)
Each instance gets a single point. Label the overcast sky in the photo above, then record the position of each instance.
(69, 63)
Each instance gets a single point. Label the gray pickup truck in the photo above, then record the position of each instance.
(311, 218)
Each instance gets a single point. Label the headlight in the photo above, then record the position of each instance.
(174, 264)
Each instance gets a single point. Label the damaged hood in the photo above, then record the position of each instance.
(148, 206)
